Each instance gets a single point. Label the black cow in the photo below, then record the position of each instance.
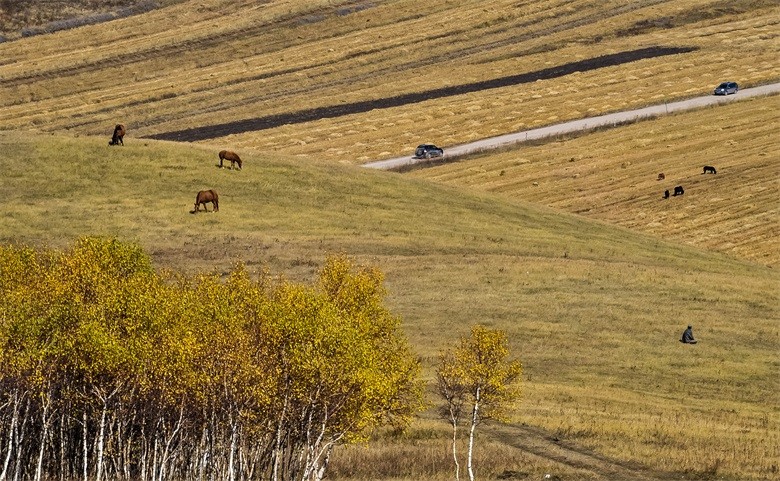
(679, 190)
(709, 169)
(666, 194)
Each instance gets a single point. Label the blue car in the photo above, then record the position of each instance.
(726, 88)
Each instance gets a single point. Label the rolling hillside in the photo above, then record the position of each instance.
(612, 175)
(594, 311)
(567, 245)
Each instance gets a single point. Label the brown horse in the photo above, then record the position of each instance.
(206, 196)
(119, 133)
(231, 156)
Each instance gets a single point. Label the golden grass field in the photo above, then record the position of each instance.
(603, 177)
(593, 311)
(590, 272)
(206, 62)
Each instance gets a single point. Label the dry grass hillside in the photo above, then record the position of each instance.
(612, 175)
(593, 311)
(199, 64)
(567, 245)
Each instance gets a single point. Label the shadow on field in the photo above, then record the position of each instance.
(333, 111)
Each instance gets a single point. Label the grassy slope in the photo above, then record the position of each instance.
(594, 311)
(612, 176)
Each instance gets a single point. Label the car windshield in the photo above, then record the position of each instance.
(723, 85)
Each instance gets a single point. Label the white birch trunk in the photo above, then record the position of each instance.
(100, 442)
(20, 441)
(278, 442)
(144, 454)
(166, 451)
(154, 460)
(474, 420)
(62, 444)
(454, 421)
(319, 475)
(85, 445)
(204, 450)
(44, 434)
(231, 468)
(11, 431)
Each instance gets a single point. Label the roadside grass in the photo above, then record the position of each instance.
(224, 61)
(593, 311)
(611, 175)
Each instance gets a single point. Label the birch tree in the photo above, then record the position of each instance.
(112, 370)
(477, 375)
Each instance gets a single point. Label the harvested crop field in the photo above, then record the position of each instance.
(289, 69)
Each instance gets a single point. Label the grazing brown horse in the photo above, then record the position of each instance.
(231, 156)
(661, 176)
(204, 197)
(119, 133)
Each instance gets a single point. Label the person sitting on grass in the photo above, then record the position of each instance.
(687, 337)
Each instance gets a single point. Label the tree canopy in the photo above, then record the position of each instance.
(112, 370)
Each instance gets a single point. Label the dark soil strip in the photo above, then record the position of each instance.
(301, 116)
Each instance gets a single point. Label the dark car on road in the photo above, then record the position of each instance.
(726, 88)
(426, 151)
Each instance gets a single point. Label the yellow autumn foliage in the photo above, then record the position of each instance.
(273, 374)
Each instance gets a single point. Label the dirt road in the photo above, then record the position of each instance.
(545, 446)
(580, 125)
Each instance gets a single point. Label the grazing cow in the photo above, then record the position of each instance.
(661, 176)
(666, 194)
(709, 169)
(119, 133)
(679, 190)
(231, 156)
(204, 197)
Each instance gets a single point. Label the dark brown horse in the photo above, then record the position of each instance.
(206, 196)
(710, 169)
(231, 156)
(119, 133)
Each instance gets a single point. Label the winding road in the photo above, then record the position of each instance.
(581, 125)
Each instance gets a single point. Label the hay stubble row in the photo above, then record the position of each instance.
(249, 61)
(603, 176)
